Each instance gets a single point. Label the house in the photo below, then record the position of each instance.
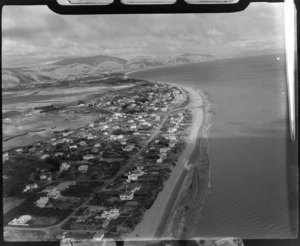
(133, 176)
(21, 220)
(172, 137)
(97, 145)
(64, 167)
(118, 115)
(73, 146)
(104, 127)
(30, 187)
(113, 213)
(164, 150)
(43, 176)
(82, 143)
(133, 127)
(32, 150)
(42, 201)
(54, 193)
(129, 148)
(58, 154)
(83, 168)
(43, 157)
(159, 161)
(88, 157)
(66, 134)
(128, 195)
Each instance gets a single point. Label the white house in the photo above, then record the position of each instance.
(113, 213)
(127, 195)
(43, 157)
(159, 161)
(83, 168)
(21, 220)
(64, 167)
(30, 187)
(133, 176)
(89, 157)
(59, 154)
(129, 148)
(42, 201)
(82, 143)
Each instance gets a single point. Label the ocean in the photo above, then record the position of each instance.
(253, 174)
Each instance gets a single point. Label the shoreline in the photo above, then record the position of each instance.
(150, 227)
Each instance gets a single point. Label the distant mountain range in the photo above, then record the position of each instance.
(72, 68)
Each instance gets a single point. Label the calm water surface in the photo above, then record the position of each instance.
(248, 196)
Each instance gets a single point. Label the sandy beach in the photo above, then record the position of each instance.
(155, 218)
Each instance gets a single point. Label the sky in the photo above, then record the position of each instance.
(36, 34)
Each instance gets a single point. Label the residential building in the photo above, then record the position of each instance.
(30, 187)
(64, 167)
(88, 157)
(21, 220)
(128, 195)
(42, 201)
(83, 168)
(113, 213)
(73, 146)
(43, 157)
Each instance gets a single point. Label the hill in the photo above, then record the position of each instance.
(82, 67)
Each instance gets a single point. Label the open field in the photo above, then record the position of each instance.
(11, 235)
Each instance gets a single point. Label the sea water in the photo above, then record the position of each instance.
(250, 187)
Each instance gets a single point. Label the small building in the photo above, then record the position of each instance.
(128, 195)
(129, 148)
(73, 147)
(113, 213)
(159, 161)
(83, 168)
(58, 154)
(30, 187)
(43, 157)
(82, 143)
(21, 220)
(42, 201)
(64, 167)
(88, 157)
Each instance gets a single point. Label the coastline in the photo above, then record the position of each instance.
(176, 186)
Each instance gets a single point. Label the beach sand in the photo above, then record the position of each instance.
(154, 218)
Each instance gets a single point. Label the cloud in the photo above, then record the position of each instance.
(37, 32)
